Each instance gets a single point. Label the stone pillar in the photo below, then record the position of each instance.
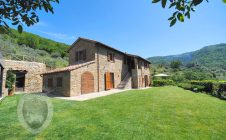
(135, 77)
(4, 89)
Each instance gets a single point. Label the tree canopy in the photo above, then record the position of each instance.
(183, 8)
(18, 12)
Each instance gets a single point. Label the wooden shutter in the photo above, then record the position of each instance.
(108, 57)
(112, 80)
(113, 57)
(107, 80)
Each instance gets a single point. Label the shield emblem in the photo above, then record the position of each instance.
(35, 112)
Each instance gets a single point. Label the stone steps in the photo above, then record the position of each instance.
(126, 82)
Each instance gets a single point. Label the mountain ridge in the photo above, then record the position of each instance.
(211, 58)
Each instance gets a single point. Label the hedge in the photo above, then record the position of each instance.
(214, 88)
(158, 83)
(189, 86)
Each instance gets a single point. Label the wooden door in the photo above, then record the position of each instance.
(146, 81)
(87, 83)
(112, 80)
(109, 80)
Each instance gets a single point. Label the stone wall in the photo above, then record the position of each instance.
(142, 72)
(81, 45)
(33, 80)
(76, 76)
(99, 67)
(56, 90)
(117, 67)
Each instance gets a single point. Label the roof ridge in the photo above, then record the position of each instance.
(68, 68)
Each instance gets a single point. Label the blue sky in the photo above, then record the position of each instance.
(134, 26)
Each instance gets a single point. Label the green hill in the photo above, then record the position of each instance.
(31, 47)
(210, 59)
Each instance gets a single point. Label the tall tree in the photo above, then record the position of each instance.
(175, 64)
(18, 12)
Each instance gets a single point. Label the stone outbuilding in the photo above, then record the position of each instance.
(28, 76)
(94, 67)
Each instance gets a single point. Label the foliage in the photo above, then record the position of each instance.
(23, 11)
(175, 64)
(206, 63)
(186, 86)
(37, 42)
(212, 87)
(207, 84)
(10, 80)
(178, 77)
(189, 86)
(196, 75)
(11, 49)
(222, 91)
(158, 83)
(183, 8)
(28, 40)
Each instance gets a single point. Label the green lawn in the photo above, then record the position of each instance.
(157, 113)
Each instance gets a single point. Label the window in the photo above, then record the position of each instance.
(50, 82)
(80, 55)
(145, 65)
(111, 57)
(59, 82)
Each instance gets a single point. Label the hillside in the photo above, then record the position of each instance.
(32, 47)
(210, 59)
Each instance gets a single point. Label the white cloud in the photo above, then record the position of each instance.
(59, 35)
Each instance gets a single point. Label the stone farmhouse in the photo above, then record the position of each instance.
(94, 67)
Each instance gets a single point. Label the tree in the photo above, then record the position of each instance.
(10, 81)
(183, 8)
(175, 64)
(18, 12)
(28, 40)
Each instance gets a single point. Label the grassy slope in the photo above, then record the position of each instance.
(157, 113)
(15, 45)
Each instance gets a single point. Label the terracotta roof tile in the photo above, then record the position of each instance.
(69, 68)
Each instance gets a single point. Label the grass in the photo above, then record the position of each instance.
(157, 113)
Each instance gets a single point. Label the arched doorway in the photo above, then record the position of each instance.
(87, 83)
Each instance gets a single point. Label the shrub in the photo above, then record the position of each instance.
(186, 86)
(222, 91)
(214, 88)
(177, 77)
(208, 85)
(10, 80)
(55, 55)
(197, 88)
(158, 83)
